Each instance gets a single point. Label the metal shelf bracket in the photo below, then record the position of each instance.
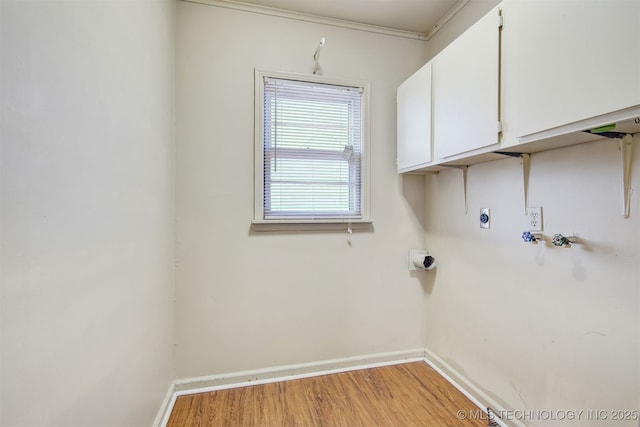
(626, 150)
(464, 170)
(526, 170)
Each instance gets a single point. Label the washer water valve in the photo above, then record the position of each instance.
(530, 237)
(565, 241)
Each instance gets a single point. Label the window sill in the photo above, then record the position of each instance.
(311, 225)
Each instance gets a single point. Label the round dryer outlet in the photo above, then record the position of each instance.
(485, 218)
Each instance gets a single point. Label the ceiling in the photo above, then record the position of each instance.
(419, 16)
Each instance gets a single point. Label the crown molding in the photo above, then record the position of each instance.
(263, 10)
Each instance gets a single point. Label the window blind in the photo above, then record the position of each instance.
(312, 150)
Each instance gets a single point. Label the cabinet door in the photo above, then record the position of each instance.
(466, 91)
(414, 121)
(566, 61)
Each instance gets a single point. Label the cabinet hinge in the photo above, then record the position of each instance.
(499, 126)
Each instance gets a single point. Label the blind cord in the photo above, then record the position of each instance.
(347, 154)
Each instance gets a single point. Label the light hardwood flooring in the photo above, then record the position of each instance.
(405, 395)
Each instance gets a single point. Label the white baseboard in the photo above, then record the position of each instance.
(470, 390)
(208, 383)
(166, 407)
(290, 372)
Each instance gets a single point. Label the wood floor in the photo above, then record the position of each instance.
(405, 395)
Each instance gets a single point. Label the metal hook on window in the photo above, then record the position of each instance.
(316, 57)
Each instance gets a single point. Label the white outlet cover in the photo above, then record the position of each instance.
(534, 218)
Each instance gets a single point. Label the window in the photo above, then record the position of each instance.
(311, 150)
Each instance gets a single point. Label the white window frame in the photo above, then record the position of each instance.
(310, 222)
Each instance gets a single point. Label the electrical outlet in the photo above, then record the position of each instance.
(534, 218)
(485, 218)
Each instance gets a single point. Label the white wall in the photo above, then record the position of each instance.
(535, 326)
(249, 300)
(87, 211)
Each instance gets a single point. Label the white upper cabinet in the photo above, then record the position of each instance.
(567, 61)
(414, 121)
(554, 69)
(466, 90)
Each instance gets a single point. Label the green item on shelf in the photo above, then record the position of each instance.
(601, 129)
